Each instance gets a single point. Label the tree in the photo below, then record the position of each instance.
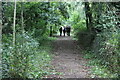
(88, 16)
(0, 39)
(86, 12)
(14, 21)
(22, 18)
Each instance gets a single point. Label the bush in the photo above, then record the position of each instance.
(97, 70)
(26, 60)
(85, 38)
(107, 49)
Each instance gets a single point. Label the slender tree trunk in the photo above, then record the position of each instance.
(14, 31)
(51, 27)
(14, 34)
(90, 19)
(88, 16)
(22, 26)
(22, 18)
(0, 39)
(86, 13)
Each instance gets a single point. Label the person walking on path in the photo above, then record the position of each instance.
(64, 30)
(60, 30)
(68, 30)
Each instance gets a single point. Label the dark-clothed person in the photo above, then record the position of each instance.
(68, 30)
(60, 31)
(64, 31)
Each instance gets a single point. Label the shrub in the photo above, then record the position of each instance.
(85, 38)
(106, 47)
(26, 60)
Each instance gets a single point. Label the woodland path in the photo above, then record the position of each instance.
(68, 60)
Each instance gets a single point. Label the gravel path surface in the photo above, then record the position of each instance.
(68, 60)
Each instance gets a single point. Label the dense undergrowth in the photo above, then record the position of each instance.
(100, 39)
(103, 51)
(96, 26)
(28, 59)
(97, 70)
(25, 37)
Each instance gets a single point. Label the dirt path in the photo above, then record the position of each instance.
(68, 60)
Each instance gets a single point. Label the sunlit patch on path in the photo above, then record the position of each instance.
(68, 59)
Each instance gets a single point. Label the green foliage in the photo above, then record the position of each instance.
(106, 47)
(101, 72)
(80, 26)
(26, 59)
(106, 44)
(97, 70)
(38, 16)
(29, 57)
(103, 39)
(76, 17)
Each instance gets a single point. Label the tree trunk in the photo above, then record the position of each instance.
(14, 21)
(0, 39)
(90, 20)
(22, 18)
(86, 13)
(88, 16)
